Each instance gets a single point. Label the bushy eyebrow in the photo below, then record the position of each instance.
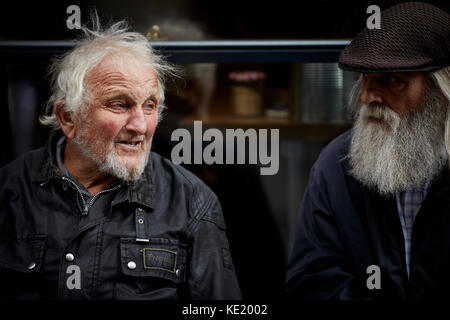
(125, 96)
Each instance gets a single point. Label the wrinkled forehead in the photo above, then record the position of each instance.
(122, 72)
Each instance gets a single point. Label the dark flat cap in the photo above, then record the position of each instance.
(414, 36)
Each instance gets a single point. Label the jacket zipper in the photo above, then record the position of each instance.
(87, 206)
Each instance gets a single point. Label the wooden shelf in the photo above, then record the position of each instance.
(222, 118)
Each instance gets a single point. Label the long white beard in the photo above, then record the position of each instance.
(400, 152)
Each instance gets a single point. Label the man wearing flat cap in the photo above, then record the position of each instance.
(375, 219)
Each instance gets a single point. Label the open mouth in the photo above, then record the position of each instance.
(130, 143)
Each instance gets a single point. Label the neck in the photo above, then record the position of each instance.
(85, 170)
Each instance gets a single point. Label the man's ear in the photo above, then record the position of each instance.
(65, 119)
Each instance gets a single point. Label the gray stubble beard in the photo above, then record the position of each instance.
(110, 164)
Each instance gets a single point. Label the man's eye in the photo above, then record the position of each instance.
(117, 106)
(394, 82)
(149, 106)
(391, 79)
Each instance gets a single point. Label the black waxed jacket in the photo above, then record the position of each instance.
(161, 237)
(344, 228)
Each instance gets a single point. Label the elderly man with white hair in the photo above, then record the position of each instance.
(97, 215)
(375, 219)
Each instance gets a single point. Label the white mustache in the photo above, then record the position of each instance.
(378, 111)
(382, 112)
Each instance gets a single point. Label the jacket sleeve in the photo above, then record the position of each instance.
(318, 269)
(6, 195)
(212, 275)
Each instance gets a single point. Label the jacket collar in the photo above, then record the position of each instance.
(48, 168)
(140, 191)
(440, 185)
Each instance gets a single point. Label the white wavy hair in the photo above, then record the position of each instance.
(441, 78)
(68, 72)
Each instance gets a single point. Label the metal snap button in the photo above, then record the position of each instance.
(31, 266)
(69, 257)
(177, 272)
(131, 265)
(140, 221)
(140, 209)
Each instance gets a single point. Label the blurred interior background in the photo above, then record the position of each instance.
(305, 98)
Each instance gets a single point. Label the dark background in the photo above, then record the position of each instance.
(232, 19)
(256, 244)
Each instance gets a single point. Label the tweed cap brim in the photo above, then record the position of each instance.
(414, 36)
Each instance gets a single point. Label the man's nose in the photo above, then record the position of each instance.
(371, 92)
(136, 121)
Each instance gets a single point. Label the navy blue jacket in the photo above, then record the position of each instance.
(344, 228)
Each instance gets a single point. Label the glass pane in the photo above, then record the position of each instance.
(198, 19)
(300, 94)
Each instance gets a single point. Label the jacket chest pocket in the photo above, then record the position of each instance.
(153, 270)
(20, 267)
